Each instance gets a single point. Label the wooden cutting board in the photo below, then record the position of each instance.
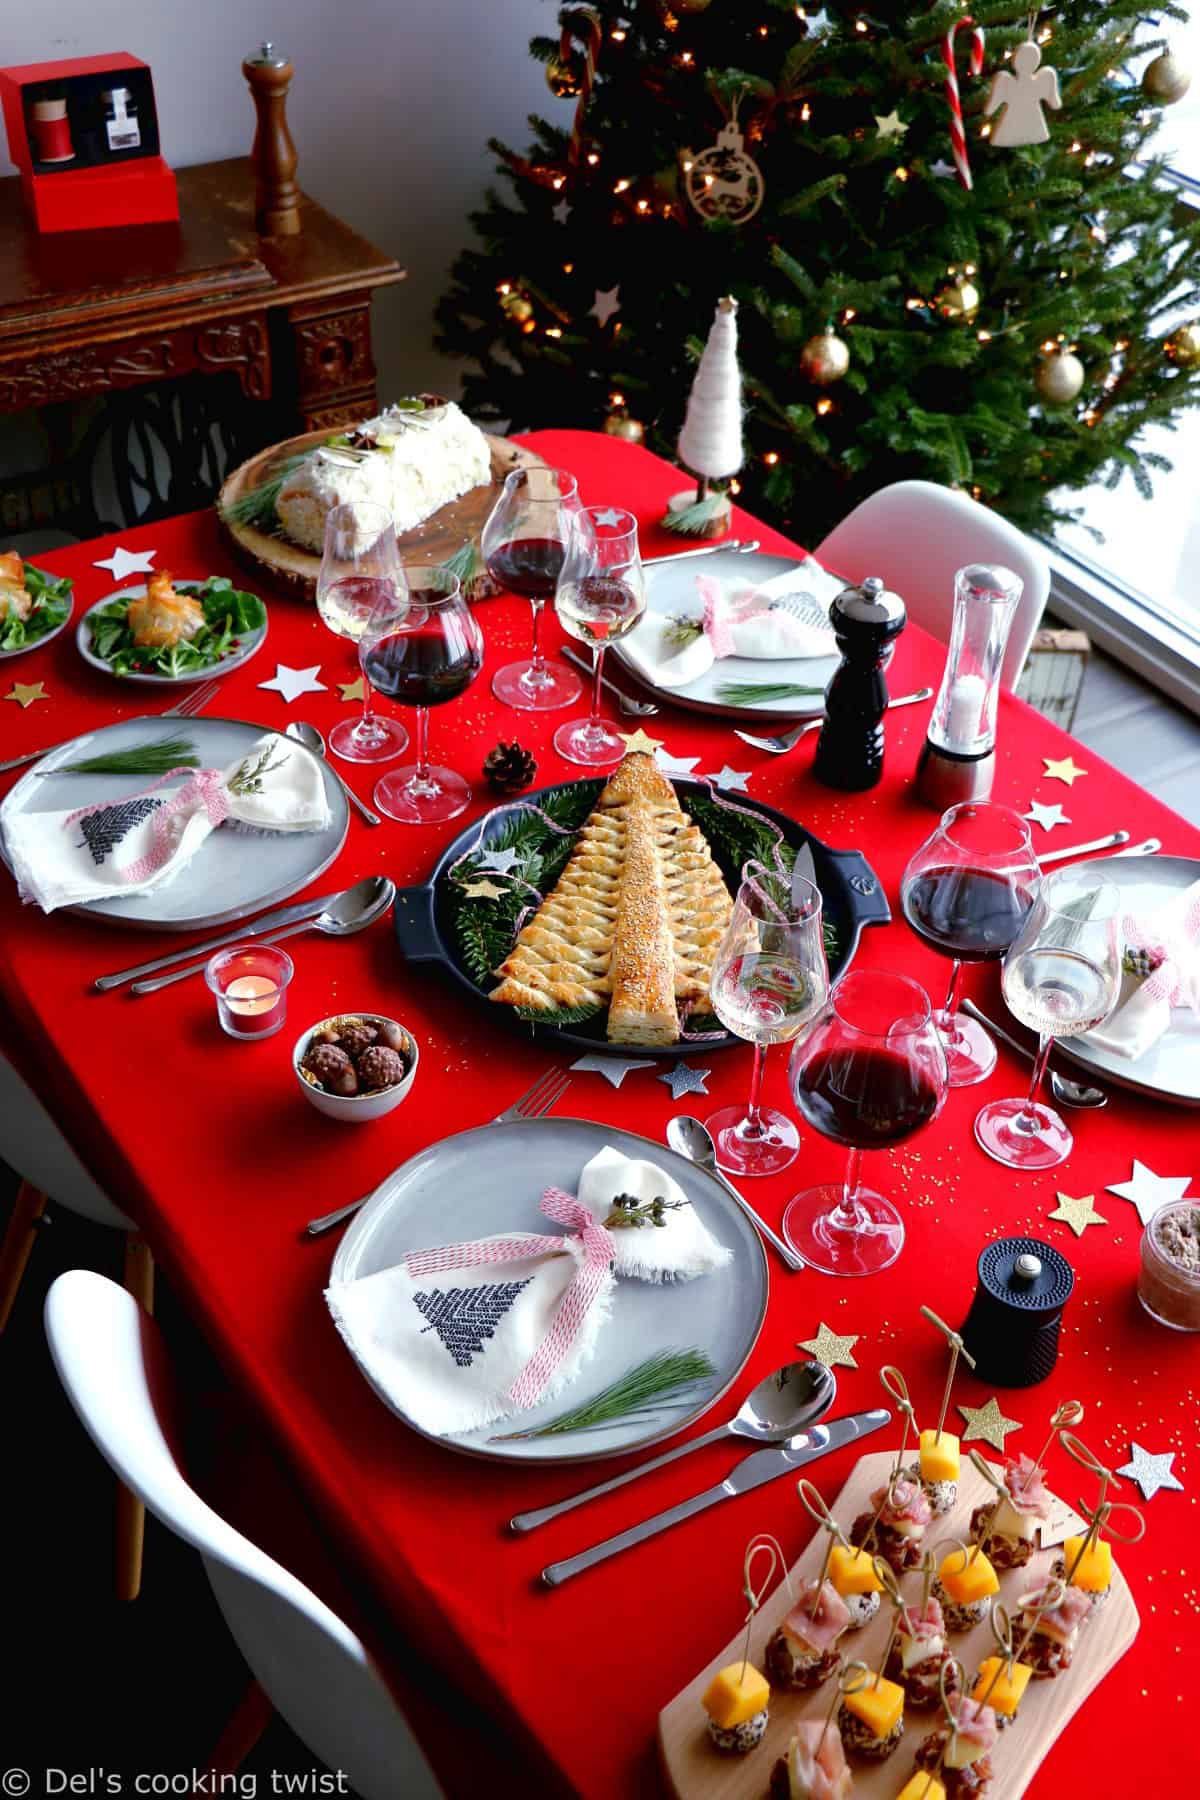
(696, 1771)
(295, 569)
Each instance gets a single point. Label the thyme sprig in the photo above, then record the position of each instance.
(249, 778)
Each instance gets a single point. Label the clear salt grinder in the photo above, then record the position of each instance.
(958, 759)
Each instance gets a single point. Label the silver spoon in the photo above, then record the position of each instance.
(784, 1403)
(1065, 1091)
(351, 911)
(688, 1137)
(787, 740)
(310, 737)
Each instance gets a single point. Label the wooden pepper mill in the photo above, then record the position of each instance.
(866, 621)
(276, 196)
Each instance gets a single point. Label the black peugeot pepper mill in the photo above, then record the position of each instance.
(866, 621)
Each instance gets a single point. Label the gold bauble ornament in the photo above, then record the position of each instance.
(1167, 79)
(684, 8)
(564, 78)
(959, 300)
(1183, 346)
(517, 307)
(824, 359)
(622, 425)
(1060, 377)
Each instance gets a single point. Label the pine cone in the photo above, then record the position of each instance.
(508, 768)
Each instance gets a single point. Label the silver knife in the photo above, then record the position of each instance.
(753, 1471)
(248, 928)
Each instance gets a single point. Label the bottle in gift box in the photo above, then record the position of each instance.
(866, 621)
(958, 760)
(51, 131)
(121, 128)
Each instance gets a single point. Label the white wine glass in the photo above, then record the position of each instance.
(360, 588)
(1061, 977)
(600, 596)
(769, 979)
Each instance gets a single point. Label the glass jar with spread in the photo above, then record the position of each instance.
(1169, 1276)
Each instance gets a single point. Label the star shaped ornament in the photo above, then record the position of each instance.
(1046, 816)
(1151, 1472)
(988, 1422)
(613, 1068)
(1078, 1214)
(732, 780)
(890, 125)
(606, 304)
(482, 890)
(945, 171)
(352, 690)
(675, 765)
(637, 740)
(561, 212)
(610, 516)
(1149, 1191)
(1063, 768)
(683, 1079)
(291, 683)
(27, 693)
(128, 562)
(829, 1348)
(499, 861)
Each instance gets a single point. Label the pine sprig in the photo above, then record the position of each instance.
(257, 507)
(653, 1380)
(757, 693)
(139, 759)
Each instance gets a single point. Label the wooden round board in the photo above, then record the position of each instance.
(695, 1771)
(295, 570)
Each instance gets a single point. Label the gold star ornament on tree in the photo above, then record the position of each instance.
(1063, 768)
(831, 1349)
(989, 1423)
(27, 693)
(890, 125)
(1078, 1214)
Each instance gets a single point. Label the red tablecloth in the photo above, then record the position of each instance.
(208, 1145)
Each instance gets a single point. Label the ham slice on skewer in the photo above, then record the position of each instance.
(818, 1633)
(817, 1774)
(907, 1510)
(1025, 1481)
(1060, 1622)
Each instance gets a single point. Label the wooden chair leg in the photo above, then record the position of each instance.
(28, 1208)
(246, 1724)
(131, 1514)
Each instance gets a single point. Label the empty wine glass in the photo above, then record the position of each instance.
(524, 545)
(966, 892)
(769, 979)
(361, 585)
(600, 596)
(430, 655)
(1061, 977)
(869, 1073)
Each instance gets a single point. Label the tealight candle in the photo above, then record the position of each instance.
(250, 983)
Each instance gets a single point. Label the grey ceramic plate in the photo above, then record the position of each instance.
(671, 588)
(251, 643)
(1171, 1070)
(491, 1179)
(235, 874)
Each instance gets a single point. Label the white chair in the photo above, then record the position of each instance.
(112, 1362)
(916, 534)
(33, 1146)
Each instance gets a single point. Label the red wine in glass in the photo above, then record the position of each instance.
(528, 566)
(971, 914)
(866, 1098)
(422, 668)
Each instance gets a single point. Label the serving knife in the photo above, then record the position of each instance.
(248, 928)
(752, 1472)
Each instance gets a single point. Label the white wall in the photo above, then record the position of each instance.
(391, 108)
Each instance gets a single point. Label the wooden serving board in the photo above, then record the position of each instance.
(696, 1771)
(295, 569)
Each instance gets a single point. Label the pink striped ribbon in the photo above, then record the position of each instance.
(206, 788)
(576, 1302)
(958, 136)
(1177, 976)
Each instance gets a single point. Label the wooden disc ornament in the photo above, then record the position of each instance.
(1060, 378)
(824, 359)
(724, 181)
(1167, 79)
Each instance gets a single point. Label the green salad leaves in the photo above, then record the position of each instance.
(229, 615)
(51, 597)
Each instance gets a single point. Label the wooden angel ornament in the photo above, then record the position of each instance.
(1022, 91)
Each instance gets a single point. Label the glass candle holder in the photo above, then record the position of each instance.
(250, 982)
(1169, 1275)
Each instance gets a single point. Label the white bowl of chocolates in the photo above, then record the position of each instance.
(355, 1066)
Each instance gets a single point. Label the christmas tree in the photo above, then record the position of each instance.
(1012, 337)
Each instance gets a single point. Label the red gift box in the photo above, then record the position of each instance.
(133, 188)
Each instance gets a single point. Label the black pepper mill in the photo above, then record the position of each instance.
(866, 621)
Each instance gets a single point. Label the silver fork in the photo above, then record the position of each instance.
(787, 740)
(534, 1103)
(633, 709)
(194, 701)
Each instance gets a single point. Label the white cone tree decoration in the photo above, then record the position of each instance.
(710, 444)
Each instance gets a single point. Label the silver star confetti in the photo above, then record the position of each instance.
(675, 765)
(610, 516)
(128, 562)
(606, 304)
(733, 780)
(501, 861)
(1046, 816)
(291, 683)
(1149, 1471)
(683, 1079)
(613, 1068)
(1149, 1191)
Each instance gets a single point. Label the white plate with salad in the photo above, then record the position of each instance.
(168, 633)
(34, 606)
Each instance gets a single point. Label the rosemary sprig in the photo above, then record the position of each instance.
(757, 693)
(249, 777)
(666, 1372)
(139, 759)
(681, 630)
(628, 1212)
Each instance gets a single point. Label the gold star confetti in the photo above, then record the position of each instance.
(482, 890)
(352, 690)
(26, 693)
(1065, 768)
(638, 740)
(1077, 1213)
(988, 1422)
(829, 1348)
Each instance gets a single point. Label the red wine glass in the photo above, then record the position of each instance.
(524, 545)
(967, 892)
(360, 585)
(869, 1073)
(429, 656)
(601, 595)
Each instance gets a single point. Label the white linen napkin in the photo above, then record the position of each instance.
(680, 1250)
(784, 619)
(142, 841)
(1172, 935)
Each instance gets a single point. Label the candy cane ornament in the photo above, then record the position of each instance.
(958, 136)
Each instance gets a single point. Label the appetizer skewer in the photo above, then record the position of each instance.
(1006, 1528)
(1002, 1680)
(901, 1511)
(958, 1752)
(937, 1467)
(965, 1584)
(1086, 1562)
(851, 1571)
(802, 1652)
(814, 1766)
(872, 1716)
(737, 1697)
(920, 1651)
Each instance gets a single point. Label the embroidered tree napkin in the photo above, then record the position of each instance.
(681, 1249)
(131, 845)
